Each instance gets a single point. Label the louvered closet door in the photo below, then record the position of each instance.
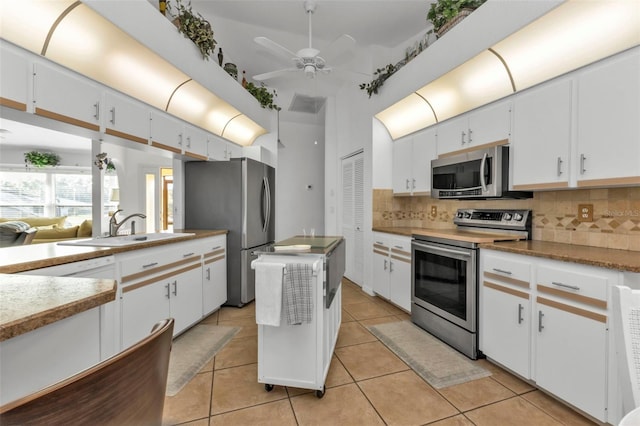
(353, 215)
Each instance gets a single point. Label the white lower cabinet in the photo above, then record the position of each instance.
(214, 273)
(392, 268)
(552, 328)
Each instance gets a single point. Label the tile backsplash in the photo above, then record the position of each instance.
(615, 223)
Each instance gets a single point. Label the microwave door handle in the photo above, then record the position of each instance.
(483, 164)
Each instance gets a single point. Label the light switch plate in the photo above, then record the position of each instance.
(585, 212)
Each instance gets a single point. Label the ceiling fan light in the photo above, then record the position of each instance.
(309, 71)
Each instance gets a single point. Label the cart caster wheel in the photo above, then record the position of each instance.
(268, 387)
(320, 393)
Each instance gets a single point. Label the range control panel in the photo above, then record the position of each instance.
(497, 219)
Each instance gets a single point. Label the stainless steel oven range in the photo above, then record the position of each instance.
(444, 268)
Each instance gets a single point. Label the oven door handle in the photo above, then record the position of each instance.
(443, 249)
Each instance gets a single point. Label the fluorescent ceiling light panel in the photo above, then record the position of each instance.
(242, 130)
(573, 35)
(26, 23)
(407, 116)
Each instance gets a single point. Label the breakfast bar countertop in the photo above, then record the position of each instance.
(36, 256)
(30, 302)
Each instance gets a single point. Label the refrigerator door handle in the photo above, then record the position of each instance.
(268, 186)
(265, 204)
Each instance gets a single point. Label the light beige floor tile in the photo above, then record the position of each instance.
(505, 378)
(556, 409)
(459, 420)
(346, 316)
(366, 310)
(227, 313)
(238, 387)
(343, 405)
(369, 360)
(239, 351)
(417, 403)
(202, 422)
(476, 393)
(248, 326)
(278, 413)
(352, 333)
(352, 297)
(337, 376)
(208, 366)
(513, 411)
(379, 320)
(191, 403)
(404, 317)
(211, 319)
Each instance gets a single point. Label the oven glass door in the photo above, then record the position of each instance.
(444, 282)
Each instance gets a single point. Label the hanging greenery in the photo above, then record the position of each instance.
(195, 27)
(443, 12)
(41, 159)
(262, 94)
(382, 75)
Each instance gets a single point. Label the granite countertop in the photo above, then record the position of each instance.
(35, 256)
(30, 302)
(623, 260)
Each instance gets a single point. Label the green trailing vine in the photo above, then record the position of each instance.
(41, 159)
(263, 95)
(195, 27)
(382, 75)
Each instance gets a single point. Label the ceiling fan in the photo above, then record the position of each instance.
(307, 59)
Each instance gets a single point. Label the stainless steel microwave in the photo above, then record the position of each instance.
(479, 174)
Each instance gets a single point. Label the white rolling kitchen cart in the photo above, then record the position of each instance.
(300, 355)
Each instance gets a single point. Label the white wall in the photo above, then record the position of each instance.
(300, 165)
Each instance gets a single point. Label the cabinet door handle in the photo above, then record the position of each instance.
(208, 274)
(463, 134)
(572, 287)
(168, 291)
(215, 248)
(175, 288)
(188, 141)
(97, 107)
(379, 242)
(583, 159)
(180, 139)
(385, 264)
(188, 254)
(469, 138)
(399, 247)
(413, 184)
(540, 326)
(407, 184)
(559, 166)
(113, 115)
(390, 266)
(149, 265)
(502, 271)
(520, 308)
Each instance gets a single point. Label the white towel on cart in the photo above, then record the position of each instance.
(269, 293)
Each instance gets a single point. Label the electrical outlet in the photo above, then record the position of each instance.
(585, 212)
(434, 211)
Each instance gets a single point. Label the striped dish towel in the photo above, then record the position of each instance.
(297, 294)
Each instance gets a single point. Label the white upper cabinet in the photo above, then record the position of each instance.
(412, 155)
(62, 95)
(167, 132)
(608, 128)
(216, 148)
(542, 137)
(126, 118)
(14, 78)
(233, 150)
(195, 142)
(469, 131)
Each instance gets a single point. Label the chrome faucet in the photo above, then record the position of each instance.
(114, 225)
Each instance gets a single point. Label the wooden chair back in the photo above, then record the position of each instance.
(126, 389)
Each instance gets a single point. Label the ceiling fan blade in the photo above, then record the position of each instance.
(273, 74)
(340, 50)
(278, 50)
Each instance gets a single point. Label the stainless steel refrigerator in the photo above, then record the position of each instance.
(237, 195)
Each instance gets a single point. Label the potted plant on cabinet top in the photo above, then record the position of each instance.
(262, 94)
(445, 14)
(41, 159)
(195, 27)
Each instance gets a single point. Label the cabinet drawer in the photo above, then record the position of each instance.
(401, 249)
(157, 259)
(590, 289)
(507, 270)
(214, 246)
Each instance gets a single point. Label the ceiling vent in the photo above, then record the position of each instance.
(308, 104)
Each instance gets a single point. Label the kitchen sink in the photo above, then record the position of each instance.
(125, 240)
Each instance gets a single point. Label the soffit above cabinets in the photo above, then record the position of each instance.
(571, 35)
(74, 35)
